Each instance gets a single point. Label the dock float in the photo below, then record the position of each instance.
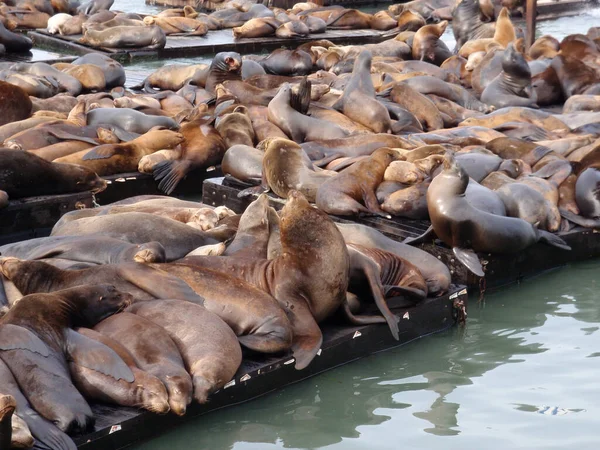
(214, 42)
(260, 374)
(500, 269)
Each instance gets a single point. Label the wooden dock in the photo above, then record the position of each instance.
(259, 374)
(33, 217)
(214, 42)
(500, 269)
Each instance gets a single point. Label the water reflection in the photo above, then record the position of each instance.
(435, 385)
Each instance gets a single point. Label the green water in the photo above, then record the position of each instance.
(521, 374)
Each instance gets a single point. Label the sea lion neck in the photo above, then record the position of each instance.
(34, 276)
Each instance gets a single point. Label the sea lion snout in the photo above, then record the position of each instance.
(6, 264)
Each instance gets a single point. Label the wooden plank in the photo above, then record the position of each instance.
(530, 19)
(500, 269)
(260, 374)
(214, 42)
(35, 216)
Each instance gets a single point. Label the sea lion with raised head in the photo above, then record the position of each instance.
(427, 45)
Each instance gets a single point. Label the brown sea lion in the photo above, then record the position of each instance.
(343, 194)
(544, 47)
(16, 103)
(427, 45)
(258, 27)
(178, 25)
(467, 23)
(14, 42)
(288, 62)
(236, 128)
(432, 85)
(409, 202)
(27, 19)
(410, 21)
(468, 230)
(211, 353)
(358, 101)
(575, 76)
(292, 29)
(145, 390)
(243, 163)
(383, 20)
(171, 77)
(202, 147)
(418, 104)
(252, 236)
(153, 351)
(128, 120)
(547, 87)
(35, 335)
(152, 37)
(305, 282)
(403, 172)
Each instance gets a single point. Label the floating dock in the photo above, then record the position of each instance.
(33, 217)
(500, 269)
(214, 42)
(260, 374)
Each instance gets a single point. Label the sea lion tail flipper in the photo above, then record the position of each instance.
(254, 190)
(13, 337)
(103, 152)
(579, 220)
(158, 283)
(428, 234)
(170, 173)
(469, 259)
(553, 240)
(84, 351)
(307, 334)
(46, 434)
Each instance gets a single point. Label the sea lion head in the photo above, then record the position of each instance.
(453, 170)
(228, 61)
(8, 405)
(514, 63)
(203, 219)
(177, 387)
(149, 20)
(152, 394)
(94, 303)
(150, 252)
(85, 179)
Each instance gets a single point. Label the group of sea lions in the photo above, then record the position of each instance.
(141, 303)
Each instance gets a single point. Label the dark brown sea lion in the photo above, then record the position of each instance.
(310, 242)
(468, 230)
(547, 88)
(292, 29)
(145, 390)
(35, 337)
(458, 94)
(23, 173)
(258, 27)
(467, 23)
(172, 77)
(153, 351)
(203, 147)
(211, 352)
(422, 107)
(14, 42)
(287, 62)
(152, 37)
(44, 431)
(297, 126)
(16, 103)
(285, 167)
(343, 194)
(512, 87)
(358, 101)
(109, 159)
(427, 45)
(3, 199)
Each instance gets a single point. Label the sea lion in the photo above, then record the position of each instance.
(297, 126)
(178, 25)
(145, 390)
(358, 101)
(409, 20)
(94, 6)
(252, 236)
(14, 42)
(128, 120)
(342, 194)
(427, 45)
(408, 201)
(383, 20)
(65, 82)
(44, 431)
(16, 103)
(467, 23)
(544, 47)
(285, 166)
(512, 87)
(22, 173)
(35, 333)
(468, 230)
(418, 104)
(72, 26)
(138, 228)
(96, 250)
(8, 405)
(244, 163)
(403, 172)
(530, 205)
(90, 76)
(478, 165)
(287, 62)
(55, 21)
(203, 147)
(114, 73)
(575, 76)
(154, 352)
(314, 261)
(236, 128)
(211, 352)
(484, 199)
(258, 27)
(315, 25)
(3, 199)
(224, 66)
(151, 37)
(582, 103)
(109, 159)
(457, 94)
(171, 77)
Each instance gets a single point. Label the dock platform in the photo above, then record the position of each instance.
(500, 269)
(260, 374)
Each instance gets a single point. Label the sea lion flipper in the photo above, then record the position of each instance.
(64, 136)
(579, 220)
(123, 135)
(428, 234)
(46, 433)
(307, 334)
(254, 190)
(94, 355)
(102, 152)
(469, 259)
(13, 337)
(393, 291)
(158, 283)
(553, 240)
(361, 319)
